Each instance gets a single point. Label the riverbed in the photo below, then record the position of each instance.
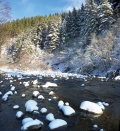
(69, 90)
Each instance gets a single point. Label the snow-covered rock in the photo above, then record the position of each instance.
(91, 107)
(51, 93)
(41, 97)
(16, 107)
(101, 105)
(117, 78)
(95, 126)
(35, 93)
(50, 117)
(35, 82)
(19, 114)
(1, 82)
(31, 105)
(25, 120)
(49, 84)
(15, 92)
(36, 124)
(26, 84)
(105, 104)
(66, 103)
(5, 97)
(23, 95)
(43, 110)
(60, 104)
(57, 123)
(49, 99)
(36, 112)
(68, 110)
(12, 88)
(82, 85)
(0, 93)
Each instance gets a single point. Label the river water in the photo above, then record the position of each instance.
(70, 91)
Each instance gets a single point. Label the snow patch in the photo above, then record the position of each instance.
(91, 107)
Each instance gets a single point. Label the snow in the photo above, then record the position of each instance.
(66, 103)
(60, 104)
(16, 107)
(68, 110)
(0, 93)
(35, 93)
(25, 120)
(12, 88)
(82, 85)
(26, 84)
(50, 117)
(1, 82)
(5, 97)
(117, 78)
(57, 123)
(15, 92)
(51, 93)
(43, 110)
(29, 123)
(41, 97)
(49, 84)
(95, 126)
(91, 107)
(101, 130)
(40, 73)
(105, 104)
(19, 114)
(31, 105)
(101, 105)
(35, 82)
(23, 95)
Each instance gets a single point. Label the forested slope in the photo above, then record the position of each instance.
(84, 40)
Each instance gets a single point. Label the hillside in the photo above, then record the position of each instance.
(85, 41)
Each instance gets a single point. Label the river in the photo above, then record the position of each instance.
(68, 90)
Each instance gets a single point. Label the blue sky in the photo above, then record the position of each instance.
(29, 8)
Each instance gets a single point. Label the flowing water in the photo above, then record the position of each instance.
(70, 91)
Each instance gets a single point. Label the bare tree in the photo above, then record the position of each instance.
(4, 11)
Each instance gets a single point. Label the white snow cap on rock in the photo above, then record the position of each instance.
(23, 95)
(31, 105)
(5, 97)
(19, 114)
(43, 110)
(35, 93)
(101, 105)
(67, 110)
(26, 84)
(57, 123)
(91, 107)
(51, 93)
(0, 93)
(60, 104)
(49, 84)
(16, 107)
(35, 82)
(31, 122)
(117, 78)
(41, 97)
(50, 117)
(12, 88)
(105, 104)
